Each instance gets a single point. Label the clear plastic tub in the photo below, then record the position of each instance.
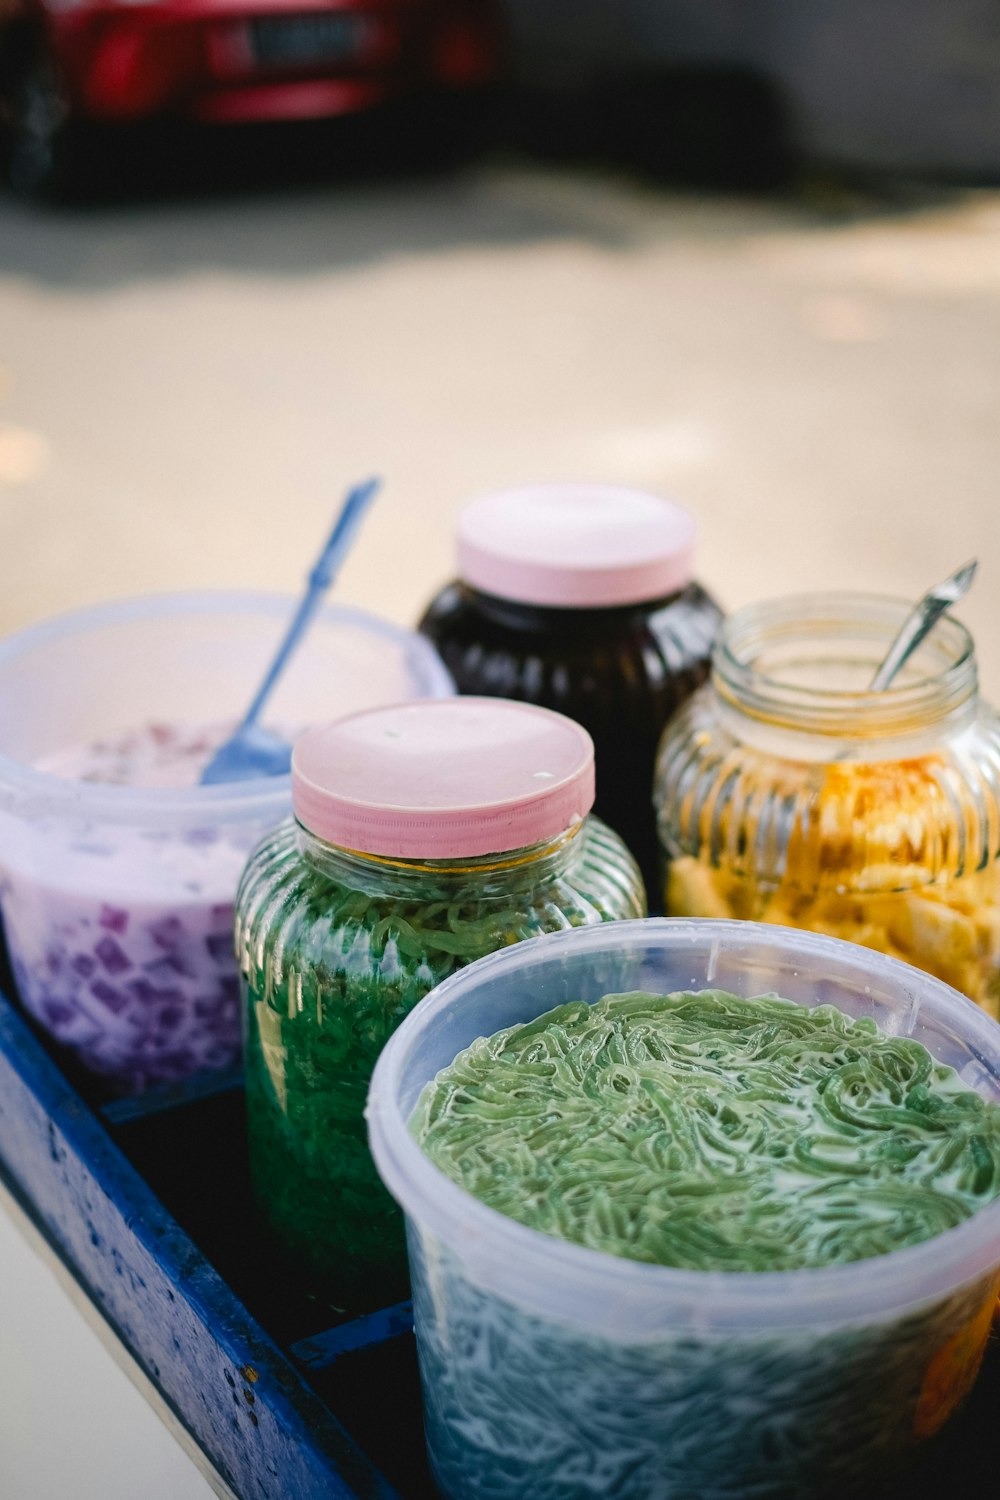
(116, 899)
(557, 1372)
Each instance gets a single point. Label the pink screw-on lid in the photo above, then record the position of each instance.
(443, 778)
(576, 545)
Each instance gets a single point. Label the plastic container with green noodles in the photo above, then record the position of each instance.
(559, 1370)
(426, 835)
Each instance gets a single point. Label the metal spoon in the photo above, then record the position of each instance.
(255, 751)
(917, 624)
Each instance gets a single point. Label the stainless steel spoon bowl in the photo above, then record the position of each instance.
(917, 624)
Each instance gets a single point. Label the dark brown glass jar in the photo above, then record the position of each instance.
(580, 598)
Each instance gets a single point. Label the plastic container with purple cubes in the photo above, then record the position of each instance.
(117, 868)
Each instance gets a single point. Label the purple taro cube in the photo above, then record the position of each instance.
(167, 932)
(168, 996)
(109, 997)
(220, 946)
(111, 956)
(208, 1007)
(166, 969)
(114, 918)
(83, 965)
(142, 990)
(151, 994)
(57, 1015)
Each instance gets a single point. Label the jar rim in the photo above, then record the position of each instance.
(494, 862)
(942, 674)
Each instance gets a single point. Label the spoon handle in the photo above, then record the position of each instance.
(320, 578)
(917, 624)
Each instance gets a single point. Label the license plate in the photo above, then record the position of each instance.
(321, 38)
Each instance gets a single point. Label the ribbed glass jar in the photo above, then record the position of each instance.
(787, 792)
(335, 948)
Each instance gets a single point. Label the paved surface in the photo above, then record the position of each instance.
(186, 385)
(76, 1416)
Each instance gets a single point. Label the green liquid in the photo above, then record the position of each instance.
(709, 1132)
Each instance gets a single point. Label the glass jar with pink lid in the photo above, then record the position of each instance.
(582, 597)
(425, 835)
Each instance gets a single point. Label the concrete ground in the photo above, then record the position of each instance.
(188, 383)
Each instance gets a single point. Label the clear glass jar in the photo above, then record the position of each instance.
(581, 598)
(336, 946)
(787, 792)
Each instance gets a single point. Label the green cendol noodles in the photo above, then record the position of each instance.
(713, 1133)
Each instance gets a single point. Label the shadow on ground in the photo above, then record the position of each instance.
(290, 199)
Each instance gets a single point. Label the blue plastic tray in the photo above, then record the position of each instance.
(148, 1203)
(283, 1400)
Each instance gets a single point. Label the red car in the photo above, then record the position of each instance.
(71, 63)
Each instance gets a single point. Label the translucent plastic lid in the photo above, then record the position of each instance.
(185, 659)
(576, 545)
(441, 778)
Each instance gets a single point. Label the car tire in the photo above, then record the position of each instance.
(43, 155)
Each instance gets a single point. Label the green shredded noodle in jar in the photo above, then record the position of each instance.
(335, 951)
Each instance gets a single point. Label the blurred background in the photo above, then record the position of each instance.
(744, 252)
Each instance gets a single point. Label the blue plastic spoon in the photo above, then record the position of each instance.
(252, 750)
